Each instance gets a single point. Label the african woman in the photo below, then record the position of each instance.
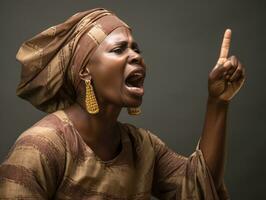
(82, 72)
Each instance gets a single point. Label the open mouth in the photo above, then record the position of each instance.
(135, 80)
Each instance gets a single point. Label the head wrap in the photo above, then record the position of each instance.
(52, 60)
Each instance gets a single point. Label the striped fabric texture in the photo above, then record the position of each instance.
(51, 60)
(50, 160)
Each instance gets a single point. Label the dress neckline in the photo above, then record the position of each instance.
(123, 135)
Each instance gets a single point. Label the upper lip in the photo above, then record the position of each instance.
(136, 70)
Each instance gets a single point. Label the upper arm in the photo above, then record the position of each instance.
(168, 170)
(179, 177)
(34, 165)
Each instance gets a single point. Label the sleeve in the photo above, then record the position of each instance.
(182, 178)
(34, 165)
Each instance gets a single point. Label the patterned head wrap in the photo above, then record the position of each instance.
(52, 60)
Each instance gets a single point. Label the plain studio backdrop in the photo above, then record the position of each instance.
(180, 41)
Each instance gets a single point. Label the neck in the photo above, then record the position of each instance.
(100, 128)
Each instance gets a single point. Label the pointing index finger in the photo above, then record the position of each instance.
(225, 46)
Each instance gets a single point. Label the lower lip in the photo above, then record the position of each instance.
(135, 91)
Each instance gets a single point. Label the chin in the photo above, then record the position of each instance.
(136, 102)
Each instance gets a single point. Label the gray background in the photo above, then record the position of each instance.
(180, 42)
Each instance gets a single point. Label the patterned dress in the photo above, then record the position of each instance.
(50, 160)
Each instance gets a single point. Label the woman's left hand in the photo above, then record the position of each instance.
(228, 75)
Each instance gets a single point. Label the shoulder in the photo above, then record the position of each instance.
(44, 140)
(55, 122)
(51, 127)
(40, 145)
(143, 135)
(37, 159)
(48, 130)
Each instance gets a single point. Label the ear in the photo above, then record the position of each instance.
(85, 74)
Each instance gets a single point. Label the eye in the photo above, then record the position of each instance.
(117, 50)
(137, 50)
(121, 49)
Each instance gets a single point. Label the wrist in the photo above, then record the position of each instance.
(217, 101)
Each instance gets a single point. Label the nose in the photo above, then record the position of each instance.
(134, 58)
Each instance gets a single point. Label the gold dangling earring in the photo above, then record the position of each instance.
(134, 111)
(91, 102)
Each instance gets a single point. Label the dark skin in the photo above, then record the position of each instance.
(225, 80)
(115, 57)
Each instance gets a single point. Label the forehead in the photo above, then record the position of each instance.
(118, 35)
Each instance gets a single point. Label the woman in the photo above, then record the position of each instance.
(83, 72)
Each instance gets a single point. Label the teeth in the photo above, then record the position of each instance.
(137, 74)
(128, 84)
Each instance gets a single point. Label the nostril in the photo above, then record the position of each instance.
(135, 61)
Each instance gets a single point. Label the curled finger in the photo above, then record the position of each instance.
(237, 74)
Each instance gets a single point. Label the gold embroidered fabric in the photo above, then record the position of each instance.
(51, 161)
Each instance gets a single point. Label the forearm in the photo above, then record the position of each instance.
(213, 139)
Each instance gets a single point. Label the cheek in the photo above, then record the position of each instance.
(108, 74)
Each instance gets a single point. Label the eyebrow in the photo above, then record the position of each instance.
(124, 42)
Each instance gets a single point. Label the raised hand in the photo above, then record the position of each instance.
(228, 75)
